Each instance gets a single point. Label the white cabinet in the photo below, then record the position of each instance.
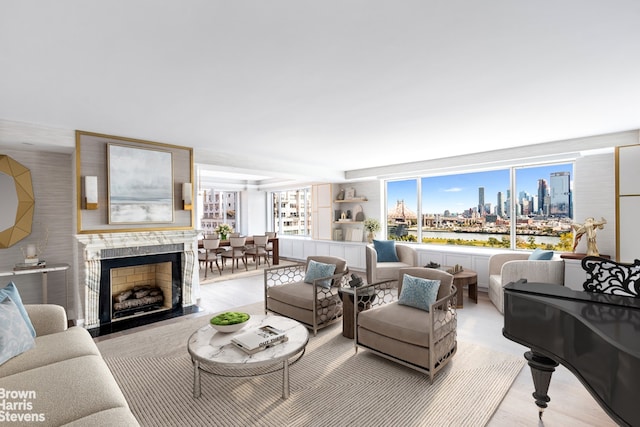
(628, 202)
(321, 207)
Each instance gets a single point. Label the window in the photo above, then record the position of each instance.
(291, 212)
(544, 207)
(402, 210)
(466, 209)
(219, 207)
(485, 209)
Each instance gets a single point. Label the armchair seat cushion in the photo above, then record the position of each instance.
(389, 270)
(300, 294)
(403, 323)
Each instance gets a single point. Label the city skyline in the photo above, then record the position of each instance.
(460, 192)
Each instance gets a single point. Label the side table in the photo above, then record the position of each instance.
(348, 310)
(467, 278)
(43, 271)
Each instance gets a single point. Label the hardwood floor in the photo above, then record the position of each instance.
(571, 404)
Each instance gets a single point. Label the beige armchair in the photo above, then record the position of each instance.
(422, 340)
(510, 267)
(379, 271)
(315, 304)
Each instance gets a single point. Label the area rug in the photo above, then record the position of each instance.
(331, 385)
(238, 272)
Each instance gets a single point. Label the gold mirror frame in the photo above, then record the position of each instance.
(26, 202)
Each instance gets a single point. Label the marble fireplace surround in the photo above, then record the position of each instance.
(96, 247)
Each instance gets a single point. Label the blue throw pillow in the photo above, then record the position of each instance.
(12, 292)
(317, 270)
(15, 337)
(540, 255)
(386, 250)
(418, 292)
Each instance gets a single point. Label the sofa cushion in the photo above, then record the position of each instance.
(69, 390)
(15, 337)
(540, 255)
(418, 292)
(385, 250)
(318, 270)
(107, 418)
(49, 349)
(12, 292)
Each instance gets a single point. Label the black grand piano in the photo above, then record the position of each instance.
(596, 336)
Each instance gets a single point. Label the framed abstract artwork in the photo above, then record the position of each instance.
(140, 185)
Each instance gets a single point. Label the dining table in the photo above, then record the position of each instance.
(275, 255)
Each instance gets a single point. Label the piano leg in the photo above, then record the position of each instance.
(541, 369)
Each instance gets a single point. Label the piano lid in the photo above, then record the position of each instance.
(615, 318)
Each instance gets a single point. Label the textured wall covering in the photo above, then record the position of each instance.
(53, 187)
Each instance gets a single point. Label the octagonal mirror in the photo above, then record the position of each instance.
(16, 193)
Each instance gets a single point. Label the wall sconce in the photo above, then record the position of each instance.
(91, 192)
(187, 196)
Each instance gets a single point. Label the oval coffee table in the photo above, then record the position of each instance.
(212, 352)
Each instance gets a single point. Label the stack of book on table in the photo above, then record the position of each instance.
(259, 339)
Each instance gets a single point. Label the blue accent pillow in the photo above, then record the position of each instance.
(386, 250)
(12, 292)
(15, 337)
(418, 292)
(540, 255)
(317, 270)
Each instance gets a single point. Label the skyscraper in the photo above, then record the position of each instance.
(543, 192)
(500, 205)
(481, 201)
(560, 194)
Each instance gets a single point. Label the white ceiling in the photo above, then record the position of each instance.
(299, 88)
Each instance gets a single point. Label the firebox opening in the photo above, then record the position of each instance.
(139, 274)
(140, 289)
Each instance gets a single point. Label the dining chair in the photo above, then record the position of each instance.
(236, 253)
(270, 235)
(209, 255)
(259, 249)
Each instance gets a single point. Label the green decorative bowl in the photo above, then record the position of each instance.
(229, 321)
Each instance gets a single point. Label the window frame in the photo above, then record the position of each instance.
(513, 200)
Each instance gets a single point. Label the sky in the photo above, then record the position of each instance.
(460, 192)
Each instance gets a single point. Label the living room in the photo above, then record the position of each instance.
(569, 95)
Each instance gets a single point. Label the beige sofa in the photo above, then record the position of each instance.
(505, 268)
(63, 380)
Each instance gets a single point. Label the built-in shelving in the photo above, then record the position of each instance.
(352, 200)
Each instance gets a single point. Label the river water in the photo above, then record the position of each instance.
(484, 236)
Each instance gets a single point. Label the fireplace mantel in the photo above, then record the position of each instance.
(96, 247)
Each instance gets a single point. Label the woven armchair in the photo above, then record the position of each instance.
(422, 340)
(286, 293)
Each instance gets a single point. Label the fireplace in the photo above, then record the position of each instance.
(160, 259)
(139, 285)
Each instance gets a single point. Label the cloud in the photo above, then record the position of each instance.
(452, 190)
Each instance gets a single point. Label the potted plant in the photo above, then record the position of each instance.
(223, 231)
(372, 226)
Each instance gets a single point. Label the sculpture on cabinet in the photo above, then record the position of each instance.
(590, 228)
